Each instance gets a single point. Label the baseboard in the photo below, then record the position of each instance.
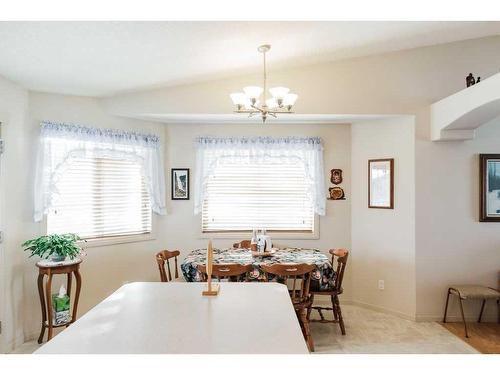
(13, 344)
(325, 301)
(19, 340)
(31, 336)
(385, 310)
(487, 318)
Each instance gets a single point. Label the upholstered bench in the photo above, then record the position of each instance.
(471, 292)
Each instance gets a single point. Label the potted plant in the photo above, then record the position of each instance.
(56, 247)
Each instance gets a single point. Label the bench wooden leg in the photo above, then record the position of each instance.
(446, 307)
(481, 312)
(498, 310)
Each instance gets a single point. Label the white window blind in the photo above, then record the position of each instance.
(100, 197)
(241, 197)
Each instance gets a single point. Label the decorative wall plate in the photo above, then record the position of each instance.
(336, 176)
(336, 193)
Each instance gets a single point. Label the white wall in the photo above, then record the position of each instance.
(14, 209)
(334, 226)
(453, 246)
(108, 267)
(404, 82)
(105, 268)
(383, 240)
(401, 82)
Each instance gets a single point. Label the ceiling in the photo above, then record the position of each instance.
(104, 58)
(234, 118)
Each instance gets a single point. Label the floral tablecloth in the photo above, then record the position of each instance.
(322, 277)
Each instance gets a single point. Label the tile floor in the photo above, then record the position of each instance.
(370, 332)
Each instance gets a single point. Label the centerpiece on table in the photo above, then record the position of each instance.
(54, 247)
(261, 244)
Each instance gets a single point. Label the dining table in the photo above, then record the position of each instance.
(322, 278)
(174, 318)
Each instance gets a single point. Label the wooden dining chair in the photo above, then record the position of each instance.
(245, 244)
(162, 258)
(340, 257)
(229, 272)
(297, 277)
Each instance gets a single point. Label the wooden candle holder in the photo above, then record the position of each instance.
(212, 290)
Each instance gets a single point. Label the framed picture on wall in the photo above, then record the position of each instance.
(489, 171)
(180, 183)
(381, 183)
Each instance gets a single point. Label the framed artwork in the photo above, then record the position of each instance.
(489, 170)
(180, 183)
(381, 183)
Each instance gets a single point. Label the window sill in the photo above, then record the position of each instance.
(108, 241)
(276, 235)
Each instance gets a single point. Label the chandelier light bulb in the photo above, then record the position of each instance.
(271, 103)
(248, 104)
(253, 92)
(279, 93)
(238, 98)
(290, 99)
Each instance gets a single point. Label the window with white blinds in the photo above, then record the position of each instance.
(241, 197)
(99, 198)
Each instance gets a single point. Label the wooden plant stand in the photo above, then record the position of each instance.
(46, 268)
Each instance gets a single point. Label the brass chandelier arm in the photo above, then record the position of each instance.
(258, 109)
(272, 111)
(246, 111)
(278, 111)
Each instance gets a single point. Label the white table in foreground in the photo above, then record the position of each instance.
(174, 318)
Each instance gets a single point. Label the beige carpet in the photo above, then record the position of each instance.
(370, 332)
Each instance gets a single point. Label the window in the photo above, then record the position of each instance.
(243, 196)
(100, 197)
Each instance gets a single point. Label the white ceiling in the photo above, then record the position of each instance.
(103, 58)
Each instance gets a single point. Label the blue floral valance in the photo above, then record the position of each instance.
(84, 133)
(312, 142)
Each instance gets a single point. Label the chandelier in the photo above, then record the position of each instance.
(249, 101)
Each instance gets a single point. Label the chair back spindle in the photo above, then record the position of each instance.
(340, 255)
(163, 257)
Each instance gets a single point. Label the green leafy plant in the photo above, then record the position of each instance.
(54, 245)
